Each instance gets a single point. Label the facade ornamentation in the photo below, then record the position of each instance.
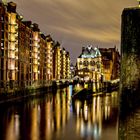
(89, 64)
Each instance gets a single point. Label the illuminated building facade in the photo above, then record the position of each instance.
(49, 56)
(89, 64)
(28, 39)
(61, 59)
(68, 65)
(43, 63)
(57, 61)
(63, 63)
(35, 53)
(111, 63)
(28, 58)
(12, 44)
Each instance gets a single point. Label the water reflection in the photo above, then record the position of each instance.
(91, 115)
(55, 117)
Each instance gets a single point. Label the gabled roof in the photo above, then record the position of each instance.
(90, 52)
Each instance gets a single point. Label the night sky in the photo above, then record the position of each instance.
(77, 23)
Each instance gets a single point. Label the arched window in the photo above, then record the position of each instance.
(85, 63)
(92, 63)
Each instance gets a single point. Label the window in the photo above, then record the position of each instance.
(86, 63)
(6, 18)
(92, 63)
(2, 63)
(2, 34)
(6, 35)
(98, 64)
(80, 63)
(6, 27)
(2, 26)
(2, 18)
(2, 52)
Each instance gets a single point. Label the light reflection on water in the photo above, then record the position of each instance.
(92, 114)
(56, 117)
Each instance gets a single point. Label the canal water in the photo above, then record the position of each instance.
(54, 116)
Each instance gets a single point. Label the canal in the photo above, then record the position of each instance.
(54, 116)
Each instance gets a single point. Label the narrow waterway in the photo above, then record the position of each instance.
(54, 116)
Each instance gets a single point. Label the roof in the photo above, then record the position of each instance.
(90, 52)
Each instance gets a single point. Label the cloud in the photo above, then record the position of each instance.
(77, 21)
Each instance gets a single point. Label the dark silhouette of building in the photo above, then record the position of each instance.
(130, 57)
(111, 63)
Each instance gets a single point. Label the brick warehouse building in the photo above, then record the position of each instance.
(26, 55)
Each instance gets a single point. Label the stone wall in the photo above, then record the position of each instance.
(130, 59)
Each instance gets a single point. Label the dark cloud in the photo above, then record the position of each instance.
(77, 22)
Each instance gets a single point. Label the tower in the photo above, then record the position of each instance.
(130, 58)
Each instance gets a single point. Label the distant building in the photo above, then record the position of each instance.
(89, 64)
(63, 63)
(61, 60)
(57, 61)
(67, 65)
(72, 70)
(49, 57)
(111, 63)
